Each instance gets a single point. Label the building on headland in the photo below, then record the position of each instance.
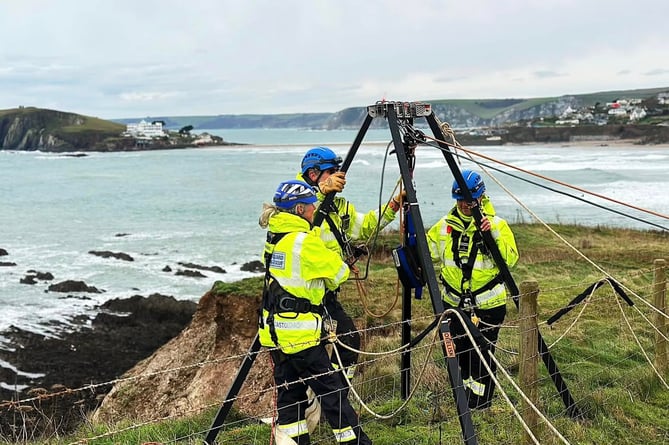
(144, 129)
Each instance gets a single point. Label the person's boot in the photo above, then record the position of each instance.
(281, 438)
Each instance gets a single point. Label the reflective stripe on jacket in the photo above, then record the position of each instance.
(304, 267)
(440, 243)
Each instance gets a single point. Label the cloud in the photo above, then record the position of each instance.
(546, 74)
(128, 58)
(657, 72)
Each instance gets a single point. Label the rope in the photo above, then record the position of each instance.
(636, 339)
(550, 229)
(411, 393)
(362, 291)
(576, 319)
(555, 181)
(501, 390)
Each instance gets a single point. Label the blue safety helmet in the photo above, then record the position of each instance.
(293, 192)
(474, 184)
(321, 158)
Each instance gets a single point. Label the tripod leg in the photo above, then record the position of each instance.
(464, 415)
(223, 411)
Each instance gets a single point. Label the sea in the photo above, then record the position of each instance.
(201, 206)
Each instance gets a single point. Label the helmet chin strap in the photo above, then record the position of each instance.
(308, 180)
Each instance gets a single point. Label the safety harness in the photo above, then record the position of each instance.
(461, 244)
(277, 300)
(351, 253)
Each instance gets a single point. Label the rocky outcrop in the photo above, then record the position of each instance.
(124, 332)
(73, 286)
(107, 254)
(201, 363)
(51, 130)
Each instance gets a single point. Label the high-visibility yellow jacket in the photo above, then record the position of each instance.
(440, 240)
(304, 267)
(355, 225)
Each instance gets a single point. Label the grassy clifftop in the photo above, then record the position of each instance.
(599, 347)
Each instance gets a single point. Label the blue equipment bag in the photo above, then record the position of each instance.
(408, 269)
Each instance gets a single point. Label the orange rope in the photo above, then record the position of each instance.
(529, 172)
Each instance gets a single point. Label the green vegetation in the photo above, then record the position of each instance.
(621, 398)
(490, 108)
(602, 97)
(65, 122)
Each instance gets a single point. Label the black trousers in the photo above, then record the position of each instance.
(327, 385)
(346, 330)
(468, 359)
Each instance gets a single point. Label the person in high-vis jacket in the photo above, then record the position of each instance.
(300, 268)
(472, 280)
(320, 169)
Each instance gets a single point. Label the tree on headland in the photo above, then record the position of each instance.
(185, 131)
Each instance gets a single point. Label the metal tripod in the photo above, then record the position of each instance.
(401, 115)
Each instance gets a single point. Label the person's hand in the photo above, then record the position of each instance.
(485, 224)
(397, 200)
(334, 183)
(400, 197)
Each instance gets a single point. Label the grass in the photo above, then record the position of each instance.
(60, 121)
(621, 398)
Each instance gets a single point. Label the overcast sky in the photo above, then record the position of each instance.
(136, 58)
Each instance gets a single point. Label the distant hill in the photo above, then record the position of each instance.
(29, 128)
(460, 113)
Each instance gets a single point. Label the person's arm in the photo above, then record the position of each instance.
(319, 262)
(363, 226)
(505, 240)
(436, 242)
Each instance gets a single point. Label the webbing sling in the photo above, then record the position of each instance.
(588, 291)
(339, 234)
(408, 269)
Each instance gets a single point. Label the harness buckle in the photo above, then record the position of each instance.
(467, 300)
(287, 304)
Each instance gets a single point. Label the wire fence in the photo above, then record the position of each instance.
(608, 352)
(604, 348)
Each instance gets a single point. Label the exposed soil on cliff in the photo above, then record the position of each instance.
(203, 359)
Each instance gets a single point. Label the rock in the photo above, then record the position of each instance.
(73, 286)
(253, 266)
(75, 297)
(216, 269)
(3, 252)
(167, 269)
(95, 353)
(121, 234)
(44, 276)
(28, 279)
(107, 254)
(6, 264)
(190, 273)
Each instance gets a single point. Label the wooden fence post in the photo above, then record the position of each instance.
(659, 297)
(529, 358)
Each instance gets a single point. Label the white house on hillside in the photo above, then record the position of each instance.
(145, 129)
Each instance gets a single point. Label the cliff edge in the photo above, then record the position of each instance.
(30, 129)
